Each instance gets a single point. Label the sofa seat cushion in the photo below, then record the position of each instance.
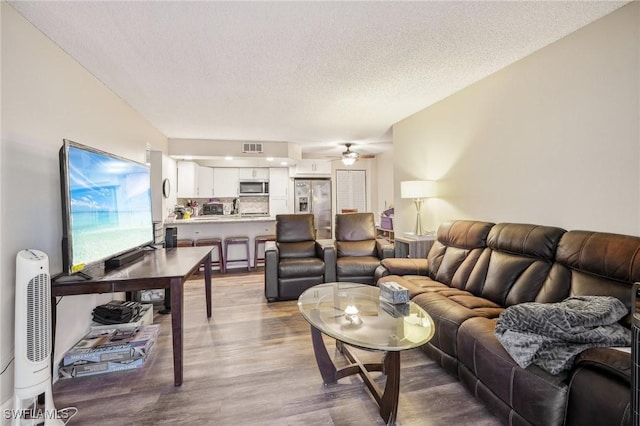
(406, 266)
(300, 267)
(482, 307)
(448, 315)
(537, 396)
(356, 266)
(356, 248)
(416, 284)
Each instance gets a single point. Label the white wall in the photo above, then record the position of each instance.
(47, 96)
(553, 139)
(163, 167)
(6, 351)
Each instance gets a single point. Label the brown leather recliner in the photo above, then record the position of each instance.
(358, 251)
(296, 261)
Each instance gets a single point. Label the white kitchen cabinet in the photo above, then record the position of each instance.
(279, 206)
(205, 182)
(279, 182)
(194, 181)
(187, 179)
(279, 191)
(313, 167)
(254, 173)
(225, 182)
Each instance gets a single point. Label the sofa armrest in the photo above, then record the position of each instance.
(599, 389)
(608, 360)
(384, 248)
(271, 260)
(405, 266)
(326, 250)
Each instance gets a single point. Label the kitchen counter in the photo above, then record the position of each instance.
(222, 226)
(220, 218)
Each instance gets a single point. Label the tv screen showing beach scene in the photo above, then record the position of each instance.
(108, 205)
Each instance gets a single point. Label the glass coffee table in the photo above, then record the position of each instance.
(354, 315)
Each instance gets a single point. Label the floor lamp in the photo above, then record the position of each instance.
(418, 190)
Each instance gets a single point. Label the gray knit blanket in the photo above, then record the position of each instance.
(551, 335)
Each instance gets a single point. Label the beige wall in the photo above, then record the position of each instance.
(47, 96)
(384, 177)
(553, 139)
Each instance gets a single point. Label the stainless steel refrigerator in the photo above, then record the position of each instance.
(314, 196)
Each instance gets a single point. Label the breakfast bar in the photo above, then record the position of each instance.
(223, 226)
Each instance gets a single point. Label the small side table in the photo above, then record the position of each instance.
(415, 248)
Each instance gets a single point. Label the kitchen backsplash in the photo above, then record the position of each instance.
(247, 205)
(254, 205)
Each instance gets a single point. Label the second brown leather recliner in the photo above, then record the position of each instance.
(358, 251)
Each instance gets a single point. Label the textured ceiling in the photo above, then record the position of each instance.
(316, 73)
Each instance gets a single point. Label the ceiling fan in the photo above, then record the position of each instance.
(350, 157)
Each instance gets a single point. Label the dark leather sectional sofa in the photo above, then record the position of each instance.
(476, 269)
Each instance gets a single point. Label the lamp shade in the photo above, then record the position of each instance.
(417, 189)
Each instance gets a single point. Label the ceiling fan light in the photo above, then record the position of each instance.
(349, 157)
(350, 154)
(348, 161)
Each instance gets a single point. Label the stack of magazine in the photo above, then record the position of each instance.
(107, 350)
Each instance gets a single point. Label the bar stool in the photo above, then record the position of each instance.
(236, 240)
(185, 242)
(217, 243)
(260, 239)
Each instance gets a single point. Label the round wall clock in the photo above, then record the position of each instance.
(166, 188)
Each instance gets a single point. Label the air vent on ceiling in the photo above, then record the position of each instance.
(252, 148)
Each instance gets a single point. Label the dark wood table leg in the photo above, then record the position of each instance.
(387, 399)
(207, 283)
(389, 402)
(177, 305)
(325, 364)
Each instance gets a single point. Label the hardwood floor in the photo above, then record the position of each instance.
(252, 363)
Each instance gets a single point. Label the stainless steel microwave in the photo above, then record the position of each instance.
(254, 188)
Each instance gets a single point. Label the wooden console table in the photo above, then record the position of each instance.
(160, 268)
(415, 248)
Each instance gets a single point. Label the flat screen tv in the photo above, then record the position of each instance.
(106, 206)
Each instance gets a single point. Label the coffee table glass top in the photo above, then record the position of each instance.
(353, 314)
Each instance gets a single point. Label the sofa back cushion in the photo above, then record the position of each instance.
(601, 264)
(518, 266)
(295, 235)
(456, 250)
(293, 228)
(355, 227)
(355, 234)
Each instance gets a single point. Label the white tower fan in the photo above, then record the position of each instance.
(33, 338)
